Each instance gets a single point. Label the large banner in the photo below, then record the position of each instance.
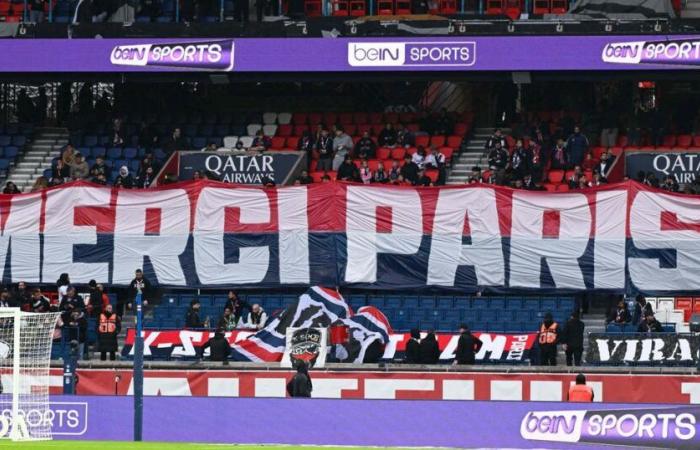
(683, 166)
(643, 348)
(240, 168)
(403, 424)
(621, 238)
(466, 53)
(186, 344)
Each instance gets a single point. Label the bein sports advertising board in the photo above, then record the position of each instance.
(492, 53)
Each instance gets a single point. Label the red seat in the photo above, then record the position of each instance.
(563, 187)
(560, 7)
(513, 9)
(696, 141)
(422, 140)
(413, 127)
(447, 151)
(696, 304)
(686, 304)
(448, 7)
(299, 129)
(437, 141)
(284, 130)
(360, 117)
(550, 187)
(391, 117)
(454, 141)
(312, 8)
(494, 7)
(403, 7)
(510, 140)
(358, 8)
(315, 119)
(555, 176)
(376, 118)
(340, 8)
(4, 8)
(330, 119)
(278, 142)
(622, 141)
(461, 129)
(398, 153)
(541, 7)
(345, 118)
(684, 141)
(411, 150)
(373, 164)
(407, 117)
(300, 118)
(361, 128)
(433, 174)
(568, 174)
(292, 142)
(384, 153)
(669, 140)
(350, 128)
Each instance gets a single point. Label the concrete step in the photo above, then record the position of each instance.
(24, 170)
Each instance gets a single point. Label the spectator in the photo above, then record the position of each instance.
(300, 385)
(79, 170)
(496, 138)
(670, 184)
(498, 161)
(559, 156)
(580, 392)
(124, 179)
(40, 304)
(598, 180)
(304, 178)
(71, 302)
(429, 349)
(75, 329)
(575, 176)
(529, 184)
(257, 318)
(577, 147)
(59, 173)
(423, 179)
(147, 139)
(210, 147)
(394, 172)
(641, 309)
(519, 160)
(107, 332)
(175, 142)
(6, 301)
(21, 296)
(260, 142)
(588, 163)
(99, 168)
(67, 155)
(419, 157)
(365, 147)
(306, 144)
(347, 171)
(139, 284)
(387, 137)
(413, 348)
(475, 175)
(547, 338)
(10, 188)
(62, 285)
(219, 348)
(236, 305)
(145, 180)
(409, 170)
(583, 183)
(326, 178)
(228, 321)
(467, 346)
(404, 137)
(147, 162)
(342, 145)
(36, 13)
(117, 139)
(606, 162)
(40, 184)
(650, 325)
(436, 160)
(365, 173)
(241, 11)
(621, 315)
(192, 319)
(572, 338)
(443, 124)
(380, 175)
(324, 146)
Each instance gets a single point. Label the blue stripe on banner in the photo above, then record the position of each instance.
(366, 323)
(338, 309)
(270, 339)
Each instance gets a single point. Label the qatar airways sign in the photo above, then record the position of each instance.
(672, 51)
(620, 238)
(208, 55)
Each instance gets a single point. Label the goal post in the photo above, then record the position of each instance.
(25, 359)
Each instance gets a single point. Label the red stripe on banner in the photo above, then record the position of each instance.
(551, 222)
(153, 220)
(260, 352)
(384, 219)
(330, 292)
(670, 222)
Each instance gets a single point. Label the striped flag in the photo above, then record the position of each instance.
(318, 307)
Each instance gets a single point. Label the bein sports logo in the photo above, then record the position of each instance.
(666, 427)
(676, 52)
(412, 54)
(210, 55)
(63, 418)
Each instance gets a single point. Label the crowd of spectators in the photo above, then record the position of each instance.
(639, 314)
(233, 316)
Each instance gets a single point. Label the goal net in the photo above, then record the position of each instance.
(25, 357)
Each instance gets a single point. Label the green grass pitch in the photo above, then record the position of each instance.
(104, 445)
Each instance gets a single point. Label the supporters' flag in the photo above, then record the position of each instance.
(318, 307)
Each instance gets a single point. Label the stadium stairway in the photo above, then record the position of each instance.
(38, 156)
(474, 155)
(691, 10)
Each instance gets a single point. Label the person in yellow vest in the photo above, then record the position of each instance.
(580, 392)
(548, 337)
(108, 329)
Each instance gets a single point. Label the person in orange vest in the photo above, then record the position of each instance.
(548, 337)
(580, 392)
(108, 329)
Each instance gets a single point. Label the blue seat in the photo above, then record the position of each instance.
(426, 301)
(206, 131)
(4, 163)
(522, 315)
(374, 300)
(86, 152)
(411, 301)
(222, 130)
(453, 314)
(479, 326)
(5, 140)
(134, 166)
(514, 303)
(47, 173)
(288, 300)
(488, 315)
(497, 303)
(159, 154)
(185, 299)
(447, 325)
(199, 142)
(392, 301)
(130, 153)
(496, 327)
(668, 327)
(428, 314)
(567, 304)
(531, 303)
(99, 151)
(114, 153)
(444, 301)
(256, 299)
(615, 328)
(480, 303)
(19, 140)
(272, 301)
(12, 128)
(11, 152)
(463, 302)
(219, 299)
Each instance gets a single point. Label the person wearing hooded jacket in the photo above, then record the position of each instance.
(219, 347)
(124, 179)
(548, 338)
(468, 346)
(413, 348)
(108, 329)
(429, 349)
(300, 385)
